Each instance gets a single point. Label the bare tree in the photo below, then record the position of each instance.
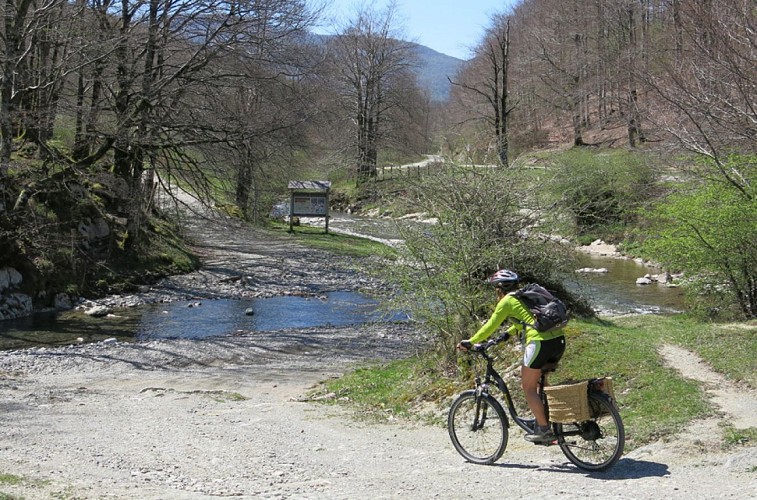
(159, 66)
(709, 95)
(487, 78)
(559, 37)
(371, 64)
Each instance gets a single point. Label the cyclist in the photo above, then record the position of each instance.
(540, 348)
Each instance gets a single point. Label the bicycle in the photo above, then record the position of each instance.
(479, 426)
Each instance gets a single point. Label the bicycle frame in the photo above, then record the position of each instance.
(493, 376)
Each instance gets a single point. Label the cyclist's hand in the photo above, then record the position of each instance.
(464, 345)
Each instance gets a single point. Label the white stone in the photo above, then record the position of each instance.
(97, 311)
(600, 270)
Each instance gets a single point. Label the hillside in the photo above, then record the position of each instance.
(434, 71)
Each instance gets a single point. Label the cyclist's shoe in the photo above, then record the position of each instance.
(540, 435)
(530, 423)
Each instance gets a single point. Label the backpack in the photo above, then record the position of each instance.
(550, 313)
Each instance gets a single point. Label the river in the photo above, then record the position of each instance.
(611, 293)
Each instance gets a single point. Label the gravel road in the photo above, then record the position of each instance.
(225, 417)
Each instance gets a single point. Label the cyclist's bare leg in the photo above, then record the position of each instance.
(530, 383)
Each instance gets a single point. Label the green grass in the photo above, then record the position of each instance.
(376, 390)
(10, 480)
(654, 399)
(341, 244)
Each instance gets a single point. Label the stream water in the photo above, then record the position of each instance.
(611, 293)
(614, 292)
(195, 319)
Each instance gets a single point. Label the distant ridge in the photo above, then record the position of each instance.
(433, 71)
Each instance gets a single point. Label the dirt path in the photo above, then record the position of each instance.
(737, 403)
(220, 417)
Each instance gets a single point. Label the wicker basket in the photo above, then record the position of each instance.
(604, 384)
(568, 403)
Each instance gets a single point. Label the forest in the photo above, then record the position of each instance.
(104, 104)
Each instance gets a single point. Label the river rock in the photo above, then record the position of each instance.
(599, 247)
(9, 278)
(98, 311)
(644, 281)
(62, 302)
(15, 305)
(587, 270)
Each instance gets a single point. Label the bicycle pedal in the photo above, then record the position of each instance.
(547, 443)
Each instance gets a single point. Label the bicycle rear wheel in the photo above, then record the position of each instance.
(595, 444)
(478, 427)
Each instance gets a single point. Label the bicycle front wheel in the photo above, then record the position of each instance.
(595, 444)
(478, 427)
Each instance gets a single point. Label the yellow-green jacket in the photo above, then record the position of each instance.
(509, 308)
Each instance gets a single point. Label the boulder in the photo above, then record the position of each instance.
(97, 311)
(9, 278)
(664, 278)
(15, 305)
(62, 302)
(14, 277)
(93, 229)
(643, 281)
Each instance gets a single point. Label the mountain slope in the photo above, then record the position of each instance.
(434, 71)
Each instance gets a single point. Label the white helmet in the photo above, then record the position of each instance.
(504, 279)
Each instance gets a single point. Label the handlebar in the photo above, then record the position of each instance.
(490, 343)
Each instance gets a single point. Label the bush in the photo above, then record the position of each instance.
(604, 190)
(709, 231)
(481, 228)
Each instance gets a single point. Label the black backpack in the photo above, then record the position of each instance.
(550, 313)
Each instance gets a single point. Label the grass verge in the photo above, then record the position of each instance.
(654, 399)
(341, 244)
(13, 480)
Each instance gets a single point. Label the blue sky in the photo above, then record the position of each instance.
(451, 27)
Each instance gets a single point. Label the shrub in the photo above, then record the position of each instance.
(710, 231)
(602, 190)
(480, 228)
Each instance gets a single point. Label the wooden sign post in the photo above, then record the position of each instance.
(309, 199)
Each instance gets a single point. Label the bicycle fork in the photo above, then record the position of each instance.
(482, 390)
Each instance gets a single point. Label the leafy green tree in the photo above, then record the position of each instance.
(710, 232)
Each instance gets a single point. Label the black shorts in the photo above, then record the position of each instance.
(540, 352)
